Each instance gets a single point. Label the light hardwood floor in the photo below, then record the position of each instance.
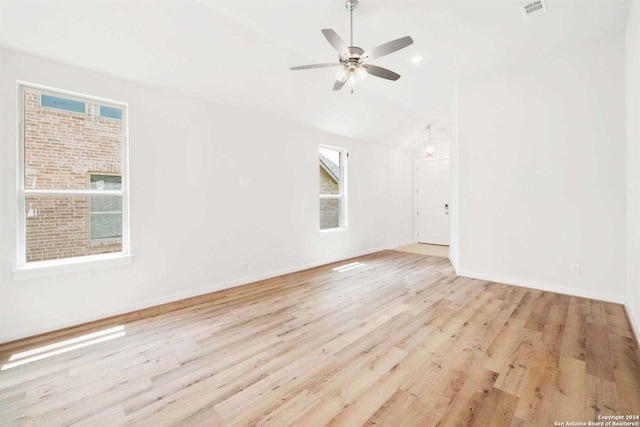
(397, 341)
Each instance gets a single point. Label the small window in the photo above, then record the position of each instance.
(333, 188)
(105, 211)
(64, 104)
(110, 112)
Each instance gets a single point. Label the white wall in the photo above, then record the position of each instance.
(633, 162)
(454, 184)
(542, 172)
(189, 215)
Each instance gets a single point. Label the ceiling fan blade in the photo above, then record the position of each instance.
(337, 43)
(309, 67)
(387, 48)
(381, 72)
(338, 85)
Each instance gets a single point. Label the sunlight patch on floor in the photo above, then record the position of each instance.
(63, 347)
(347, 267)
(425, 249)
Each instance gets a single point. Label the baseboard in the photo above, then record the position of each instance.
(454, 263)
(635, 324)
(619, 299)
(53, 326)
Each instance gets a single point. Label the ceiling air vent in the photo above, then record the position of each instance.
(536, 7)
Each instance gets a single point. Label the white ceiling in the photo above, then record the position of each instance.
(239, 51)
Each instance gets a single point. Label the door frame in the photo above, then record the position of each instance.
(415, 190)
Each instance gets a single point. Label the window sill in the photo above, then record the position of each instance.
(333, 230)
(38, 269)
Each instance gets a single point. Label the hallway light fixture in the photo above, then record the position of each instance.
(430, 149)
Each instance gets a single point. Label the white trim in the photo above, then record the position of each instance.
(635, 323)
(416, 200)
(57, 267)
(332, 230)
(73, 95)
(333, 147)
(124, 183)
(619, 299)
(21, 257)
(344, 171)
(454, 262)
(79, 192)
(55, 325)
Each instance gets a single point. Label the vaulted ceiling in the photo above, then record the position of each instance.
(239, 51)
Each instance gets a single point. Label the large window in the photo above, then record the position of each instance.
(73, 176)
(333, 188)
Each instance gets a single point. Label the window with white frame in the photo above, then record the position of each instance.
(73, 176)
(333, 188)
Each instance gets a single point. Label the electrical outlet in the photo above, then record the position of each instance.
(162, 276)
(575, 268)
(244, 260)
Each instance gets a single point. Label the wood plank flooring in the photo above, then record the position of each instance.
(398, 341)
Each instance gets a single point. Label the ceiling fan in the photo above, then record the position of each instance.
(353, 59)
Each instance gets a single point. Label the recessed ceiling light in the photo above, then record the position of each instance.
(417, 59)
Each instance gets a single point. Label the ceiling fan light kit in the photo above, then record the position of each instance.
(353, 59)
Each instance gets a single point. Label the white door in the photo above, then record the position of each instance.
(433, 201)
